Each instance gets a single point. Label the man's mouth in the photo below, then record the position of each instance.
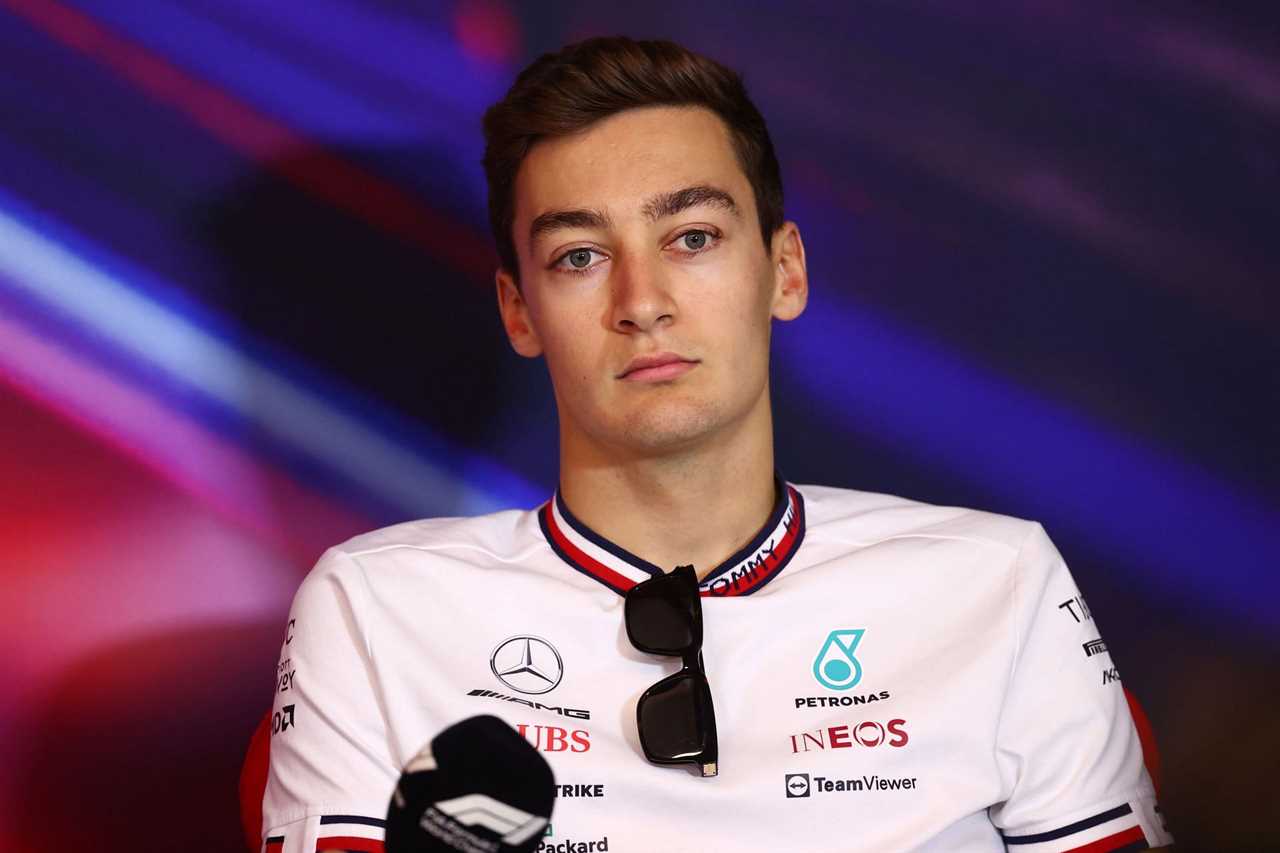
(656, 367)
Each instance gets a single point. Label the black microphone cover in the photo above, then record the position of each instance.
(478, 787)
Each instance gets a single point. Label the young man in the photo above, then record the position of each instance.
(886, 675)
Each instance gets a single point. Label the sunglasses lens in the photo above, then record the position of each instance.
(676, 720)
(664, 615)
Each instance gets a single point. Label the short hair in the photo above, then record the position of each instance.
(564, 92)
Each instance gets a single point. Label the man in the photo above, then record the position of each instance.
(886, 675)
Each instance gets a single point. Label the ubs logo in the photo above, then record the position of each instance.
(556, 739)
(527, 664)
(797, 785)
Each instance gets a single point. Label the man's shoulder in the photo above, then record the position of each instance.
(485, 538)
(862, 517)
(441, 532)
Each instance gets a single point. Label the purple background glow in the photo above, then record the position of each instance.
(246, 312)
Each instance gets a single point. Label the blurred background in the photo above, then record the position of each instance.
(246, 312)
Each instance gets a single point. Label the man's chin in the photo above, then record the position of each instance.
(669, 429)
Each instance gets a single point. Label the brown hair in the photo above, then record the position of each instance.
(564, 92)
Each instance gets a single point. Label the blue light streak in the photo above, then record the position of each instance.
(1191, 536)
(101, 300)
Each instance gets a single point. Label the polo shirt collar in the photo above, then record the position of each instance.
(744, 573)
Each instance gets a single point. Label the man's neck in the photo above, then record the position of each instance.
(696, 507)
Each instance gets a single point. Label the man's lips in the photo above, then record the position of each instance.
(657, 367)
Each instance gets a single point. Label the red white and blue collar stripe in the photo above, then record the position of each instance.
(744, 573)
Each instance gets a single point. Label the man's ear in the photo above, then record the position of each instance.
(515, 316)
(791, 279)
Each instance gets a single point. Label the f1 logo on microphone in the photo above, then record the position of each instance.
(797, 785)
(515, 825)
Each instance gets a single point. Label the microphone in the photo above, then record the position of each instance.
(478, 787)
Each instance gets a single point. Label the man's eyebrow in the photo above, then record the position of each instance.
(669, 204)
(554, 220)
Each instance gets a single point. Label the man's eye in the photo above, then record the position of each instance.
(577, 260)
(694, 241)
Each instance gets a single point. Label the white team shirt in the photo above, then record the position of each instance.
(887, 676)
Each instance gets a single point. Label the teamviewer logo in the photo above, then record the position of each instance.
(797, 785)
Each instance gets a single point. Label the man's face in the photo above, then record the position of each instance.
(645, 282)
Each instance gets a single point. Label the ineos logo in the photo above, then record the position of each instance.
(527, 664)
(869, 733)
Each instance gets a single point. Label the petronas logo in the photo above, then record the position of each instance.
(835, 666)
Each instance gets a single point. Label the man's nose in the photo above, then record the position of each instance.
(642, 298)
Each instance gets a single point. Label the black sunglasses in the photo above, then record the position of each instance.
(677, 724)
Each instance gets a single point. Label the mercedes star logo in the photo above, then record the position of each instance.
(527, 664)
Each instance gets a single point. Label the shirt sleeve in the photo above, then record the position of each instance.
(1066, 745)
(331, 773)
